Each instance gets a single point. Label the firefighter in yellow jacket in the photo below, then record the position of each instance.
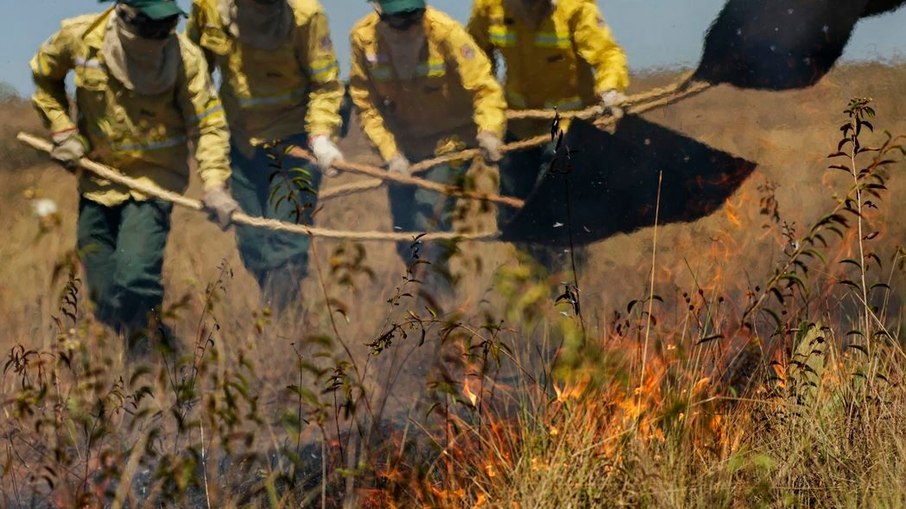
(143, 96)
(558, 54)
(423, 88)
(280, 87)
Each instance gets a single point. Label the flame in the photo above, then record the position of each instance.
(701, 384)
(467, 391)
(569, 391)
(448, 494)
(732, 214)
(716, 424)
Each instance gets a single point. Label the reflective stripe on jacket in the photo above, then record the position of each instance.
(452, 91)
(271, 95)
(567, 61)
(146, 137)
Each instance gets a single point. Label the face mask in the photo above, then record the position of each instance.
(143, 57)
(261, 24)
(141, 25)
(405, 20)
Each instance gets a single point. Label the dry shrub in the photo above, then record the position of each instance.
(18, 115)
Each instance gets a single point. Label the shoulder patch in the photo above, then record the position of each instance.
(467, 51)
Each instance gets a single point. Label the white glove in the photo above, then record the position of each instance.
(400, 165)
(220, 206)
(327, 153)
(491, 146)
(612, 103)
(68, 149)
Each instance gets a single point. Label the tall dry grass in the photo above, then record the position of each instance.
(816, 423)
(769, 335)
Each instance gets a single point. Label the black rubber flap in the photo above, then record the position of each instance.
(608, 184)
(875, 7)
(778, 44)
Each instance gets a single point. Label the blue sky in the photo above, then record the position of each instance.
(655, 33)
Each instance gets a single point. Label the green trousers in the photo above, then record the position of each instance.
(262, 184)
(415, 209)
(122, 250)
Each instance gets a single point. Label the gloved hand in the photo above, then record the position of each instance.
(491, 146)
(400, 165)
(68, 148)
(612, 103)
(220, 206)
(327, 153)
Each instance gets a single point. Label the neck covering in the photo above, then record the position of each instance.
(405, 48)
(532, 12)
(145, 66)
(261, 26)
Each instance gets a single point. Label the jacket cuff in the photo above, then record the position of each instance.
(498, 131)
(323, 131)
(215, 181)
(328, 130)
(388, 150)
(614, 83)
(64, 134)
(62, 124)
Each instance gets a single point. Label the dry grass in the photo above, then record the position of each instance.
(507, 403)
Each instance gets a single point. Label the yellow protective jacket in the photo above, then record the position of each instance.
(453, 91)
(147, 137)
(270, 95)
(567, 61)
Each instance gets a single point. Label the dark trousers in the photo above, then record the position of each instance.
(122, 250)
(415, 209)
(520, 171)
(272, 185)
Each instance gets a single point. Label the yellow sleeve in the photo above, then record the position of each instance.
(597, 46)
(478, 29)
(205, 120)
(363, 96)
(475, 72)
(320, 62)
(49, 68)
(193, 31)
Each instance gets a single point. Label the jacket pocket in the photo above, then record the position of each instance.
(90, 75)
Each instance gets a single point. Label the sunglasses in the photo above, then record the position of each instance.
(403, 20)
(147, 28)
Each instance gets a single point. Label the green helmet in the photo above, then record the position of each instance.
(392, 7)
(154, 9)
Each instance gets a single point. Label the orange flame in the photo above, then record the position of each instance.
(467, 391)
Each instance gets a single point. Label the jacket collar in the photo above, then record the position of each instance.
(531, 18)
(374, 39)
(93, 37)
